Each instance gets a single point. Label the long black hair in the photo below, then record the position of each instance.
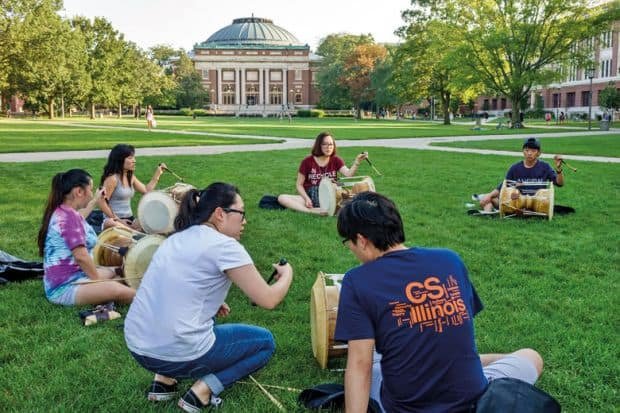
(116, 160)
(197, 206)
(62, 184)
(375, 217)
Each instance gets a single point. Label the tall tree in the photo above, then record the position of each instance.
(43, 71)
(512, 45)
(334, 50)
(610, 98)
(104, 48)
(357, 69)
(190, 91)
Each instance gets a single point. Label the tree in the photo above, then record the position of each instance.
(610, 98)
(43, 71)
(430, 64)
(104, 48)
(189, 91)
(357, 69)
(512, 45)
(334, 50)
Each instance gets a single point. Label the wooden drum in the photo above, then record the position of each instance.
(512, 202)
(332, 195)
(158, 209)
(323, 313)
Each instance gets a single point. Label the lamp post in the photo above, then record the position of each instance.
(556, 103)
(590, 75)
(291, 99)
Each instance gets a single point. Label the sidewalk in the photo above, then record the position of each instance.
(296, 143)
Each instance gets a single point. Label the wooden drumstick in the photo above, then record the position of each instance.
(271, 386)
(372, 166)
(569, 166)
(106, 280)
(269, 395)
(165, 168)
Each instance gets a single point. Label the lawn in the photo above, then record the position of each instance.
(552, 286)
(27, 135)
(593, 145)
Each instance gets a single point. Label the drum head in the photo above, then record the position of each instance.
(327, 196)
(318, 321)
(156, 212)
(118, 237)
(139, 257)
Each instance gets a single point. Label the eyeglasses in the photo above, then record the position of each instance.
(235, 210)
(327, 144)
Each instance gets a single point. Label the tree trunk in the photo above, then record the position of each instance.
(62, 106)
(445, 101)
(50, 104)
(120, 110)
(92, 110)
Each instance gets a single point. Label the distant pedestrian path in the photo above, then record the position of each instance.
(296, 143)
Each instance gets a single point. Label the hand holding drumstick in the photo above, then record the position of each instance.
(370, 163)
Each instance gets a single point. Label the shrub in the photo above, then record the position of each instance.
(186, 111)
(310, 113)
(200, 112)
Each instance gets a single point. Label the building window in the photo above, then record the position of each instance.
(205, 74)
(585, 98)
(314, 76)
(503, 103)
(570, 99)
(298, 75)
(298, 97)
(251, 94)
(251, 75)
(228, 94)
(275, 95)
(493, 104)
(605, 68)
(606, 40)
(557, 100)
(228, 75)
(275, 76)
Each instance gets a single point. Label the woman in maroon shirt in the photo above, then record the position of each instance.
(322, 163)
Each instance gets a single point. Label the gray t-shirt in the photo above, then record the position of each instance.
(120, 200)
(171, 317)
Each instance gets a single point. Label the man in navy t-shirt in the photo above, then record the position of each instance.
(531, 169)
(415, 306)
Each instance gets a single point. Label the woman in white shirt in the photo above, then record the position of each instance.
(170, 327)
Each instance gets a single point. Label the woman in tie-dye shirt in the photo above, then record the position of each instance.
(66, 241)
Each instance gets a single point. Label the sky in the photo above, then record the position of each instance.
(183, 23)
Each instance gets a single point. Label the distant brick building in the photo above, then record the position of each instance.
(254, 66)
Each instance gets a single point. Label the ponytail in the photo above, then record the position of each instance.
(198, 206)
(62, 184)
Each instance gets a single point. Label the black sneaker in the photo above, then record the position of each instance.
(159, 391)
(192, 404)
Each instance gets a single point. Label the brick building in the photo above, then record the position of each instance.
(256, 67)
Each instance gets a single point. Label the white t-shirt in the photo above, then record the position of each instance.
(171, 317)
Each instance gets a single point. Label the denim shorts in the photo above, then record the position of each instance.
(238, 351)
(65, 295)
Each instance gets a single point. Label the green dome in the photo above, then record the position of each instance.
(251, 32)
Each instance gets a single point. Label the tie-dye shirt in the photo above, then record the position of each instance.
(66, 231)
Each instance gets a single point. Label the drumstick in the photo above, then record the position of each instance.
(568, 166)
(372, 166)
(273, 399)
(101, 281)
(291, 389)
(165, 168)
(282, 261)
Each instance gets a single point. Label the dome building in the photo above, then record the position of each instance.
(256, 67)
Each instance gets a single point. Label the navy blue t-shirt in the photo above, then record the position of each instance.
(540, 172)
(418, 305)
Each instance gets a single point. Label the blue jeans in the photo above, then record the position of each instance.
(239, 350)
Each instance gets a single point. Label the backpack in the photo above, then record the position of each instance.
(329, 396)
(508, 395)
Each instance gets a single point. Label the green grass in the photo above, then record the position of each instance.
(552, 286)
(33, 136)
(593, 145)
(26, 135)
